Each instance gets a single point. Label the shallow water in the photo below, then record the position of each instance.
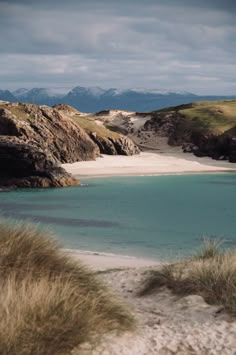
(157, 216)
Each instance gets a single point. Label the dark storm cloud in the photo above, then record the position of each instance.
(176, 44)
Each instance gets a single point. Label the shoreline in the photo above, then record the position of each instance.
(101, 261)
(204, 172)
(148, 164)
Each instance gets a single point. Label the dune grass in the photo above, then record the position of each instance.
(49, 304)
(211, 273)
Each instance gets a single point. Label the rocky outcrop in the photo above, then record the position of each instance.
(34, 140)
(25, 165)
(108, 142)
(47, 128)
(120, 145)
(164, 125)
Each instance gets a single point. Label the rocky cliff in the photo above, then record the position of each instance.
(48, 129)
(34, 140)
(109, 142)
(25, 165)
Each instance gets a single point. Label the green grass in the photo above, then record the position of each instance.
(214, 117)
(211, 273)
(49, 303)
(90, 126)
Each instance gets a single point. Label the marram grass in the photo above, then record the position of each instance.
(211, 273)
(49, 304)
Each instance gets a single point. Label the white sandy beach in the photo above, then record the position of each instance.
(148, 163)
(167, 324)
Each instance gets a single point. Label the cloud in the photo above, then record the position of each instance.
(176, 44)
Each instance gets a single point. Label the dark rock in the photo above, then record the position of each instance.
(34, 140)
(104, 144)
(24, 165)
(232, 155)
(121, 145)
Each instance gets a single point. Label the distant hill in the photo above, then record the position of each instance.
(96, 99)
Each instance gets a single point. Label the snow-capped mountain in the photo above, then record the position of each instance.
(94, 99)
(19, 93)
(93, 91)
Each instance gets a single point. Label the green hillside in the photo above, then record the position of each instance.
(214, 117)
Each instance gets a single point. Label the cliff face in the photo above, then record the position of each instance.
(34, 140)
(48, 129)
(109, 142)
(25, 165)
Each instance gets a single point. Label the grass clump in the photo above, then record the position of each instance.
(49, 304)
(211, 273)
(210, 248)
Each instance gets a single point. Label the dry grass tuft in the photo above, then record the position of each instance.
(210, 248)
(49, 304)
(211, 274)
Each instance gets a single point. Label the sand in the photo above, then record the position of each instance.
(167, 324)
(148, 163)
(103, 261)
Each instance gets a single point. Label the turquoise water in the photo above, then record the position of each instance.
(156, 216)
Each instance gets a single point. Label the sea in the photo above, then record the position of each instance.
(156, 217)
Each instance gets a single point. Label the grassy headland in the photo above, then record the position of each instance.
(214, 117)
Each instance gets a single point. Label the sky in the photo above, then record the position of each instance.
(187, 45)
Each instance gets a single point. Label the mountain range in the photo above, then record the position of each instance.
(94, 99)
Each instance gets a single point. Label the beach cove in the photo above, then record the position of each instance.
(152, 206)
(124, 226)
